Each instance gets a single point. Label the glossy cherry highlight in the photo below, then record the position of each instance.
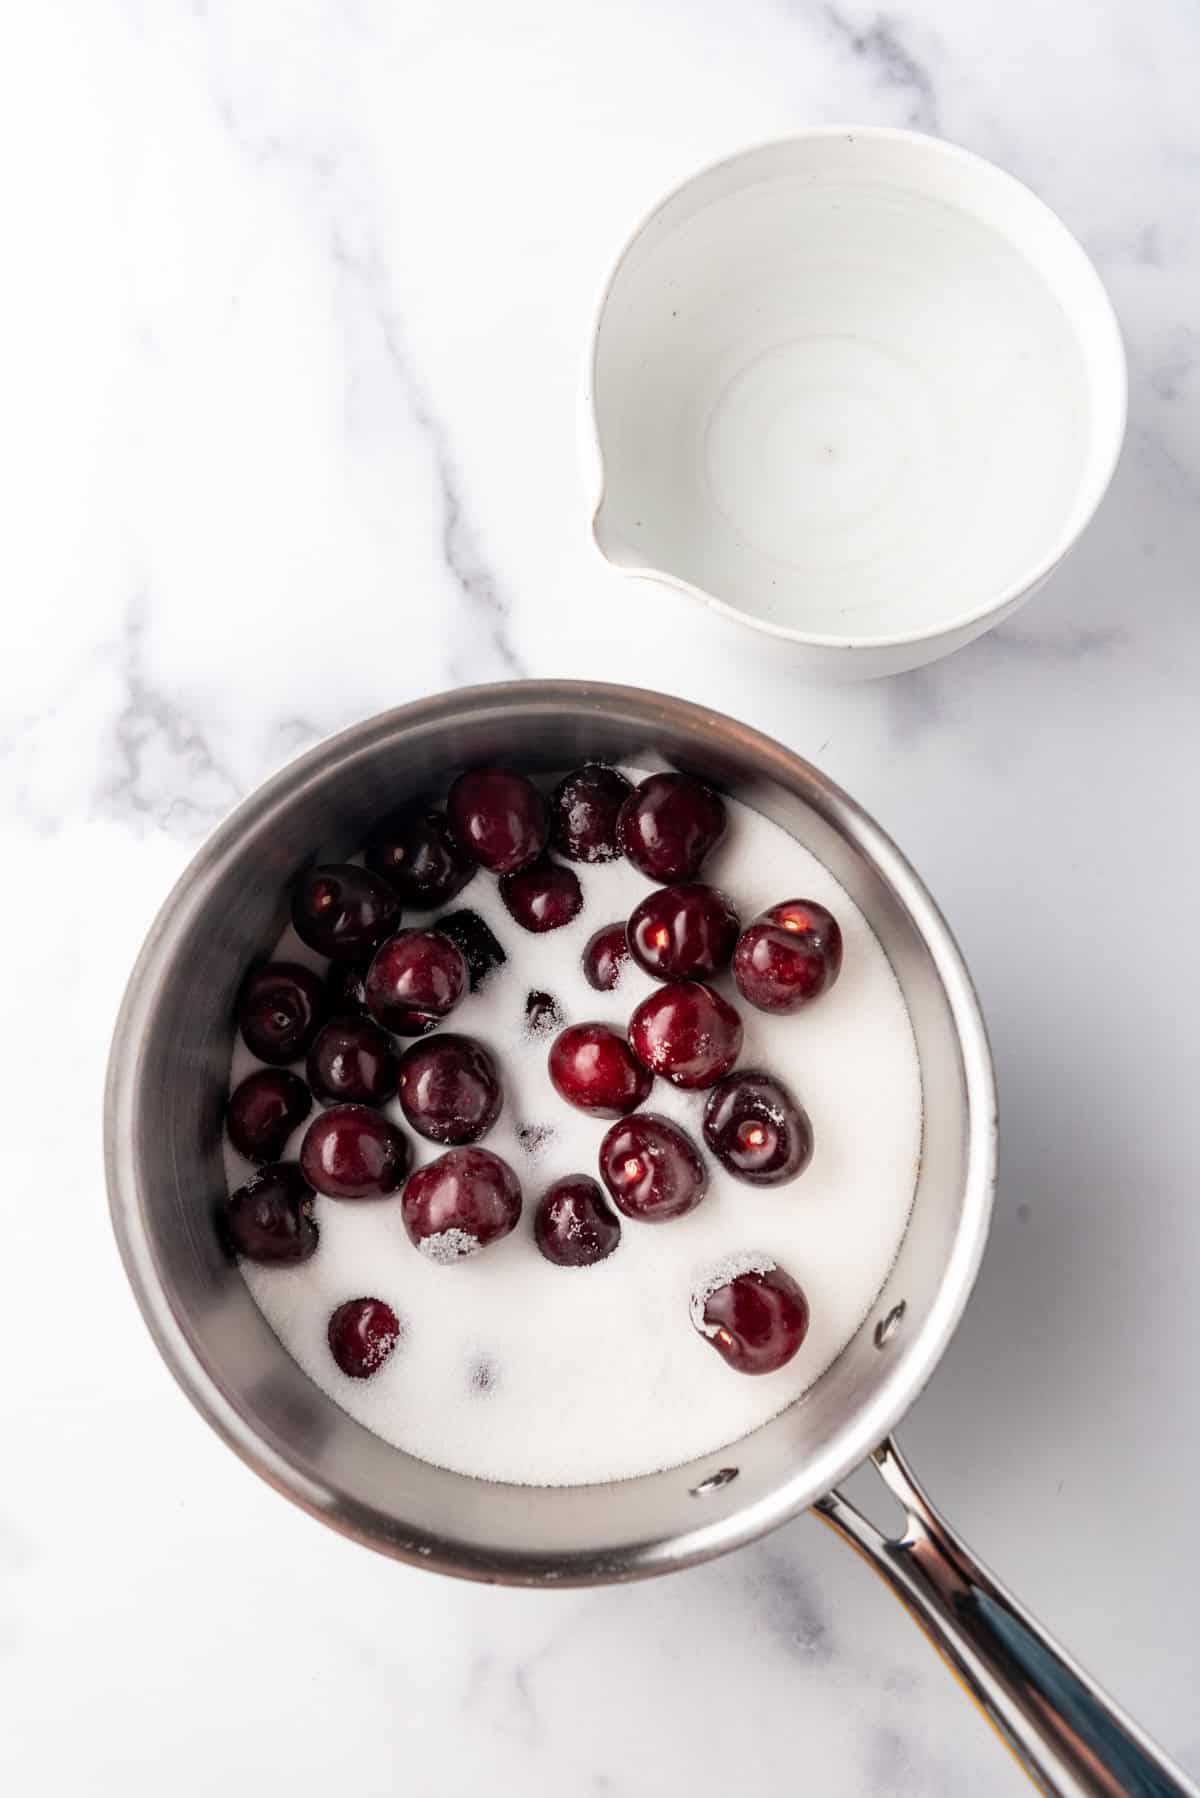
(573, 1225)
(687, 1033)
(756, 1129)
(417, 977)
(592, 1068)
(543, 896)
(669, 824)
(279, 1009)
(362, 1334)
(652, 1169)
(789, 956)
(263, 1111)
(605, 957)
(352, 1061)
(500, 819)
(449, 1088)
(350, 1152)
(417, 854)
(459, 1203)
(343, 911)
(683, 932)
(756, 1321)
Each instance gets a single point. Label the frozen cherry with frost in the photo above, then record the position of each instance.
(683, 932)
(415, 852)
(669, 824)
(592, 1068)
(687, 1033)
(500, 819)
(542, 1013)
(343, 911)
(756, 1320)
(345, 989)
(573, 1226)
(352, 1061)
(449, 1088)
(461, 1202)
(350, 1152)
(362, 1334)
(652, 1169)
(757, 1129)
(269, 1219)
(475, 941)
(415, 979)
(263, 1111)
(584, 812)
(543, 896)
(604, 957)
(789, 956)
(279, 1008)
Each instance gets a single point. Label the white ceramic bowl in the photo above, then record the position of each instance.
(856, 390)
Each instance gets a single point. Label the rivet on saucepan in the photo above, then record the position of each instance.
(885, 1329)
(714, 1482)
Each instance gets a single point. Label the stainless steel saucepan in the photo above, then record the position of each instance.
(167, 1078)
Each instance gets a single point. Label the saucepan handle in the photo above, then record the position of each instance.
(1068, 1736)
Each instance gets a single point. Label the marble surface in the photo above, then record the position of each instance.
(294, 313)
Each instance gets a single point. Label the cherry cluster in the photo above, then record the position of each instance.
(386, 983)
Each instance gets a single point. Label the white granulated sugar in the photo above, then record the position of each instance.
(448, 1246)
(598, 1373)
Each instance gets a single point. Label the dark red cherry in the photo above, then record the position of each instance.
(352, 1061)
(592, 1068)
(500, 819)
(479, 947)
(684, 932)
(789, 956)
(345, 990)
(415, 852)
(573, 1226)
(669, 824)
(464, 1200)
(416, 979)
(757, 1130)
(264, 1110)
(651, 1169)
(350, 1152)
(543, 896)
(449, 1088)
(343, 911)
(279, 1009)
(270, 1218)
(542, 1014)
(756, 1321)
(687, 1033)
(584, 811)
(605, 957)
(362, 1334)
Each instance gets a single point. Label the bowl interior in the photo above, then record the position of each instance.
(168, 1077)
(858, 385)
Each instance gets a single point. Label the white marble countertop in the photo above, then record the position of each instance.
(296, 297)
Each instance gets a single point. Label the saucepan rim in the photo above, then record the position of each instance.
(867, 1426)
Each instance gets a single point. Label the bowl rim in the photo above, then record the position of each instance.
(364, 1523)
(1083, 509)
